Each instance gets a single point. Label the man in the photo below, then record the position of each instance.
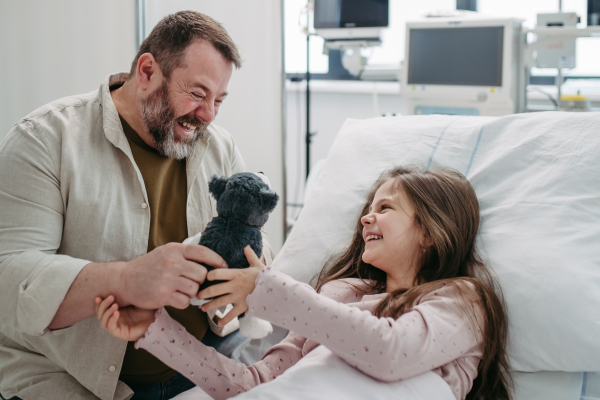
(96, 194)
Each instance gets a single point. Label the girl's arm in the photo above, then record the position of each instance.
(217, 375)
(437, 330)
(156, 332)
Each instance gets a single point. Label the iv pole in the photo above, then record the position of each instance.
(308, 133)
(559, 77)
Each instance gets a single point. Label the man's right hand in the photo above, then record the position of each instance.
(167, 276)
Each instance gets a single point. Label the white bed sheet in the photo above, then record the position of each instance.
(322, 375)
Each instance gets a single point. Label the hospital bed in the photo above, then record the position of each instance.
(537, 177)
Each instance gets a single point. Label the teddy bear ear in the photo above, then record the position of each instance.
(268, 200)
(217, 185)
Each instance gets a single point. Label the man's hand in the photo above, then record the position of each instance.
(241, 284)
(167, 276)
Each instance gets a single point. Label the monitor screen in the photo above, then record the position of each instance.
(351, 13)
(456, 56)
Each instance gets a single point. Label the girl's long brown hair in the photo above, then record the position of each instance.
(447, 209)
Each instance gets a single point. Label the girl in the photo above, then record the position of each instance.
(409, 295)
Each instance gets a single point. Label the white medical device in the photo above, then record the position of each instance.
(349, 26)
(557, 52)
(351, 19)
(552, 45)
(464, 66)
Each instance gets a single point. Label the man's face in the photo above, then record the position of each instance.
(178, 112)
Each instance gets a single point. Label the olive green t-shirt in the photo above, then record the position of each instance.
(166, 185)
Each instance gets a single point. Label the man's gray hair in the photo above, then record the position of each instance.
(173, 34)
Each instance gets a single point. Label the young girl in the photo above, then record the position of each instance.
(409, 295)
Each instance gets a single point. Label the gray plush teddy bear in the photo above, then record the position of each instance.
(244, 201)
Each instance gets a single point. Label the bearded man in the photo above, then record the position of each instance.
(97, 193)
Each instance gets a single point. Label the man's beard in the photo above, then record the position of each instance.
(158, 114)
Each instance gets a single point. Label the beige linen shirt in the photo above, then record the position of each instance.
(71, 194)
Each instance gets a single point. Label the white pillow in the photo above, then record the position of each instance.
(537, 177)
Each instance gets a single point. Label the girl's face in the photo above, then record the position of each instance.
(392, 236)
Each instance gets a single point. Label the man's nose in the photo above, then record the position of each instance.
(206, 112)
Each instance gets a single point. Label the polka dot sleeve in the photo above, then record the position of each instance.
(217, 375)
(434, 333)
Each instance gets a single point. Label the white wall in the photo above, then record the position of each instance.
(58, 48)
(252, 112)
(331, 104)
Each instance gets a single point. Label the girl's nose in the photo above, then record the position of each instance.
(367, 219)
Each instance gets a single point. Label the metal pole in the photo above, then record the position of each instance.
(307, 95)
(559, 82)
(141, 22)
(283, 121)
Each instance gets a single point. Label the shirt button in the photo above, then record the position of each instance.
(111, 368)
(144, 205)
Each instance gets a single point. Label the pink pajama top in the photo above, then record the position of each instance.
(436, 335)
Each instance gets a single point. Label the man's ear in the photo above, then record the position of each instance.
(147, 70)
(217, 186)
(268, 200)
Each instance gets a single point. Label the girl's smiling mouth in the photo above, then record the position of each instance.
(372, 236)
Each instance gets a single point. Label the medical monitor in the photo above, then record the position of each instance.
(350, 19)
(467, 56)
(468, 66)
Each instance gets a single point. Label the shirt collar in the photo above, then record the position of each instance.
(110, 118)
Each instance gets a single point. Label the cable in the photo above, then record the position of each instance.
(534, 89)
(362, 69)
(360, 72)
(303, 16)
(299, 151)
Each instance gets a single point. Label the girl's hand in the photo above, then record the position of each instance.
(240, 285)
(129, 323)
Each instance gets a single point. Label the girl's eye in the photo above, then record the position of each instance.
(384, 208)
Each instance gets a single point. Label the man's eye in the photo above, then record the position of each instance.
(198, 96)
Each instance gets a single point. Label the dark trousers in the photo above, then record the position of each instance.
(156, 390)
(179, 384)
(160, 390)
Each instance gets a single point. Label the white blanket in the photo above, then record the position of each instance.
(322, 375)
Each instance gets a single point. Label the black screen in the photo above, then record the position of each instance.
(456, 56)
(351, 13)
